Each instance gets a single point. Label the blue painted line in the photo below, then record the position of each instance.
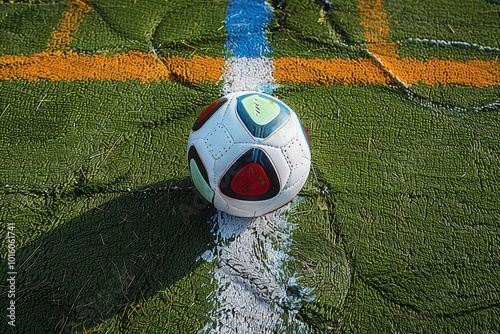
(246, 24)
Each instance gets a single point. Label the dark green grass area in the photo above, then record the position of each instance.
(193, 27)
(25, 28)
(81, 141)
(398, 230)
(321, 260)
(105, 219)
(181, 28)
(180, 307)
(109, 254)
(412, 207)
(314, 29)
(54, 133)
(474, 21)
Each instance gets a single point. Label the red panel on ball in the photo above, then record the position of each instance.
(251, 180)
(208, 112)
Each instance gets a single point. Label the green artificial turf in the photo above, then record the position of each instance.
(397, 229)
(192, 27)
(413, 205)
(111, 254)
(80, 141)
(409, 230)
(25, 28)
(169, 27)
(89, 183)
(462, 97)
(445, 20)
(473, 22)
(458, 51)
(312, 29)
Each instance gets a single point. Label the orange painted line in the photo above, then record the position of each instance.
(132, 65)
(329, 71)
(196, 69)
(72, 18)
(146, 67)
(474, 73)
(374, 20)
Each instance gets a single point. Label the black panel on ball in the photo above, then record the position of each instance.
(193, 154)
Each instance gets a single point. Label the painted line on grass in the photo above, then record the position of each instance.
(374, 20)
(132, 65)
(251, 253)
(146, 67)
(73, 16)
(55, 65)
(246, 66)
(474, 73)
(329, 71)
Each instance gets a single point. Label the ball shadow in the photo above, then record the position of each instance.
(104, 262)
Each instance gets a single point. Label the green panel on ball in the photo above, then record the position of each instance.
(260, 109)
(199, 181)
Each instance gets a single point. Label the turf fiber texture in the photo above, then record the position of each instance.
(398, 229)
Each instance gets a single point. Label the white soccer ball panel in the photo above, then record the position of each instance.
(298, 176)
(219, 141)
(283, 134)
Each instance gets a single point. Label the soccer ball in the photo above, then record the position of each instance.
(248, 154)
